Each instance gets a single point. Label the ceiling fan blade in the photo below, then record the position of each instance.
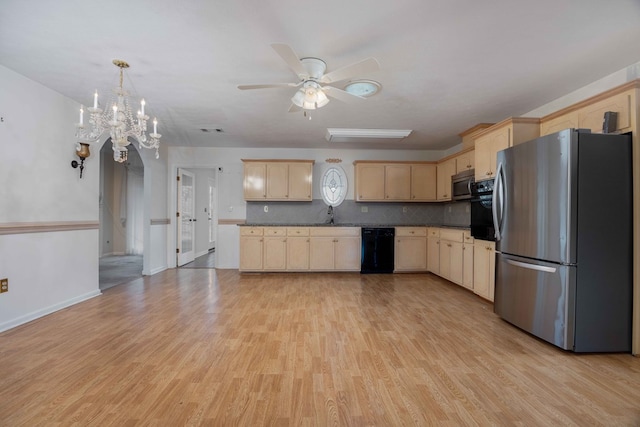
(289, 56)
(294, 108)
(266, 86)
(366, 66)
(342, 95)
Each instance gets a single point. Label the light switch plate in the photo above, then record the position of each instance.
(4, 285)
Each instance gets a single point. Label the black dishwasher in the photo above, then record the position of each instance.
(377, 250)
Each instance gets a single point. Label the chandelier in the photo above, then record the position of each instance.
(120, 120)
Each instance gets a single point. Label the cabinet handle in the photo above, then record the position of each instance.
(284, 240)
(488, 248)
(449, 244)
(412, 232)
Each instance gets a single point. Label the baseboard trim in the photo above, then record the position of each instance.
(155, 271)
(48, 310)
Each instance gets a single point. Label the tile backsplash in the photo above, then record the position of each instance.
(350, 212)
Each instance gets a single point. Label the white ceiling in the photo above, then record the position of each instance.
(444, 65)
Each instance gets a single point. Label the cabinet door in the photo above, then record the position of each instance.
(445, 171)
(433, 254)
(277, 181)
(484, 268)
(423, 183)
(465, 161)
(397, 180)
(369, 182)
(410, 254)
(300, 181)
(483, 153)
(445, 259)
(591, 116)
(297, 253)
(456, 262)
(251, 253)
(347, 254)
(275, 253)
(254, 181)
(467, 265)
(321, 253)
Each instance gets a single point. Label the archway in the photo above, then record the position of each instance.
(121, 212)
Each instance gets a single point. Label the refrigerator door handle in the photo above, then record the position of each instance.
(531, 266)
(498, 201)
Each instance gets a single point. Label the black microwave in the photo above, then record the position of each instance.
(461, 185)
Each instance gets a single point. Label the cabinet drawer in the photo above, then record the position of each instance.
(451, 235)
(433, 232)
(411, 231)
(275, 231)
(334, 231)
(251, 231)
(297, 231)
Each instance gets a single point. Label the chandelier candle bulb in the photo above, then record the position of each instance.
(142, 106)
(81, 115)
(95, 99)
(115, 113)
(155, 125)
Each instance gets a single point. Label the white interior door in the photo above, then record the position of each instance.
(212, 213)
(186, 219)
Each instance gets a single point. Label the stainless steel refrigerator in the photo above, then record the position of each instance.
(562, 207)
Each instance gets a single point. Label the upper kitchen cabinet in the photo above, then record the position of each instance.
(395, 181)
(446, 170)
(465, 161)
(589, 114)
(502, 135)
(278, 180)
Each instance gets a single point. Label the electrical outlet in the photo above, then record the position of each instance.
(404, 209)
(266, 208)
(4, 285)
(364, 209)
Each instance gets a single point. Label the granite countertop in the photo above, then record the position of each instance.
(264, 224)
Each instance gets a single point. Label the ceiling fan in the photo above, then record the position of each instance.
(313, 89)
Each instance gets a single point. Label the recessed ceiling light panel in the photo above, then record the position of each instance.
(345, 135)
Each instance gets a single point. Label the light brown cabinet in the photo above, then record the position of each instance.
(433, 250)
(451, 259)
(465, 161)
(334, 249)
(251, 248)
(410, 251)
(423, 182)
(467, 260)
(502, 135)
(274, 248)
(395, 181)
(278, 180)
(590, 114)
(297, 248)
(300, 249)
(484, 265)
(446, 170)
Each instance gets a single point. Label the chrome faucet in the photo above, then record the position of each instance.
(330, 214)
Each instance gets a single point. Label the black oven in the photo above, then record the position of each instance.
(481, 210)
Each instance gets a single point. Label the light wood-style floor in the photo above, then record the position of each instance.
(207, 347)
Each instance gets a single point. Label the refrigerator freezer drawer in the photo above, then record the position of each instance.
(538, 297)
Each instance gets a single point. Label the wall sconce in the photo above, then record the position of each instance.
(83, 153)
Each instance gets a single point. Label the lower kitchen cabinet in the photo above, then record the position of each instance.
(251, 248)
(274, 249)
(300, 249)
(334, 249)
(467, 260)
(433, 250)
(410, 251)
(451, 261)
(484, 266)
